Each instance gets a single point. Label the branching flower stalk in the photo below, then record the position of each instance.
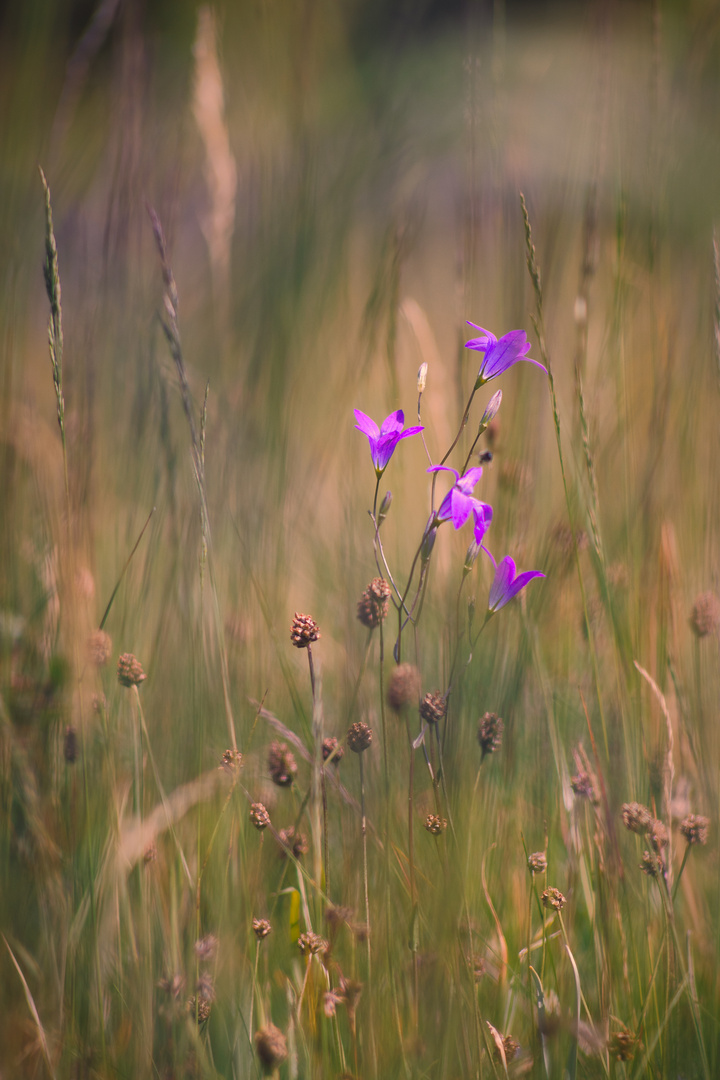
(55, 330)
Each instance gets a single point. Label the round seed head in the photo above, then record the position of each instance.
(332, 748)
(270, 1047)
(658, 835)
(359, 737)
(622, 1045)
(200, 1007)
(695, 829)
(435, 824)
(261, 928)
(537, 863)
(652, 863)
(553, 898)
(281, 764)
(403, 687)
(490, 732)
(129, 670)
(373, 605)
(582, 786)
(303, 631)
(99, 647)
(510, 1047)
(206, 947)
(705, 615)
(433, 707)
(309, 944)
(231, 761)
(296, 842)
(259, 816)
(636, 817)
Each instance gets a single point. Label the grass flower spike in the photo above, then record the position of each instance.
(508, 583)
(499, 354)
(384, 440)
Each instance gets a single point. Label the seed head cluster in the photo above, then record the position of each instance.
(259, 816)
(261, 928)
(537, 863)
(281, 764)
(433, 707)
(303, 631)
(373, 605)
(331, 748)
(695, 829)
(359, 737)
(435, 824)
(403, 687)
(310, 944)
(270, 1047)
(705, 615)
(554, 899)
(129, 670)
(490, 733)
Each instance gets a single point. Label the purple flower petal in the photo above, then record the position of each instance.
(507, 585)
(366, 425)
(500, 354)
(383, 440)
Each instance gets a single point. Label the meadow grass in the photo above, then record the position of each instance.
(277, 798)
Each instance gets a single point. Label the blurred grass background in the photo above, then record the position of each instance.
(339, 189)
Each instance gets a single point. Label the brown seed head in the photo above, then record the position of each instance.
(297, 842)
(99, 647)
(332, 748)
(695, 829)
(359, 737)
(372, 607)
(129, 670)
(435, 824)
(261, 928)
(303, 631)
(270, 1047)
(652, 863)
(553, 898)
(281, 764)
(510, 1047)
(403, 687)
(433, 707)
(206, 947)
(200, 1007)
(490, 732)
(582, 786)
(335, 917)
(310, 944)
(259, 816)
(231, 761)
(658, 835)
(70, 745)
(622, 1045)
(636, 817)
(705, 615)
(537, 863)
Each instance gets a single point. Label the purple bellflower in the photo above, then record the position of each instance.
(508, 583)
(499, 354)
(460, 502)
(383, 440)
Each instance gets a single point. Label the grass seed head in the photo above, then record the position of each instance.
(261, 928)
(583, 786)
(231, 761)
(695, 829)
(303, 631)
(435, 824)
(552, 898)
(652, 863)
(310, 944)
(403, 687)
(296, 842)
(129, 670)
(359, 737)
(373, 605)
(332, 748)
(270, 1047)
(537, 862)
(281, 764)
(433, 707)
(637, 818)
(705, 615)
(490, 733)
(259, 816)
(99, 647)
(622, 1045)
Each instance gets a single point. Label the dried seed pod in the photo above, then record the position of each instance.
(303, 631)
(373, 605)
(695, 829)
(129, 670)
(359, 737)
(553, 898)
(281, 764)
(490, 733)
(403, 687)
(537, 862)
(636, 817)
(332, 748)
(261, 928)
(435, 824)
(433, 707)
(259, 816)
